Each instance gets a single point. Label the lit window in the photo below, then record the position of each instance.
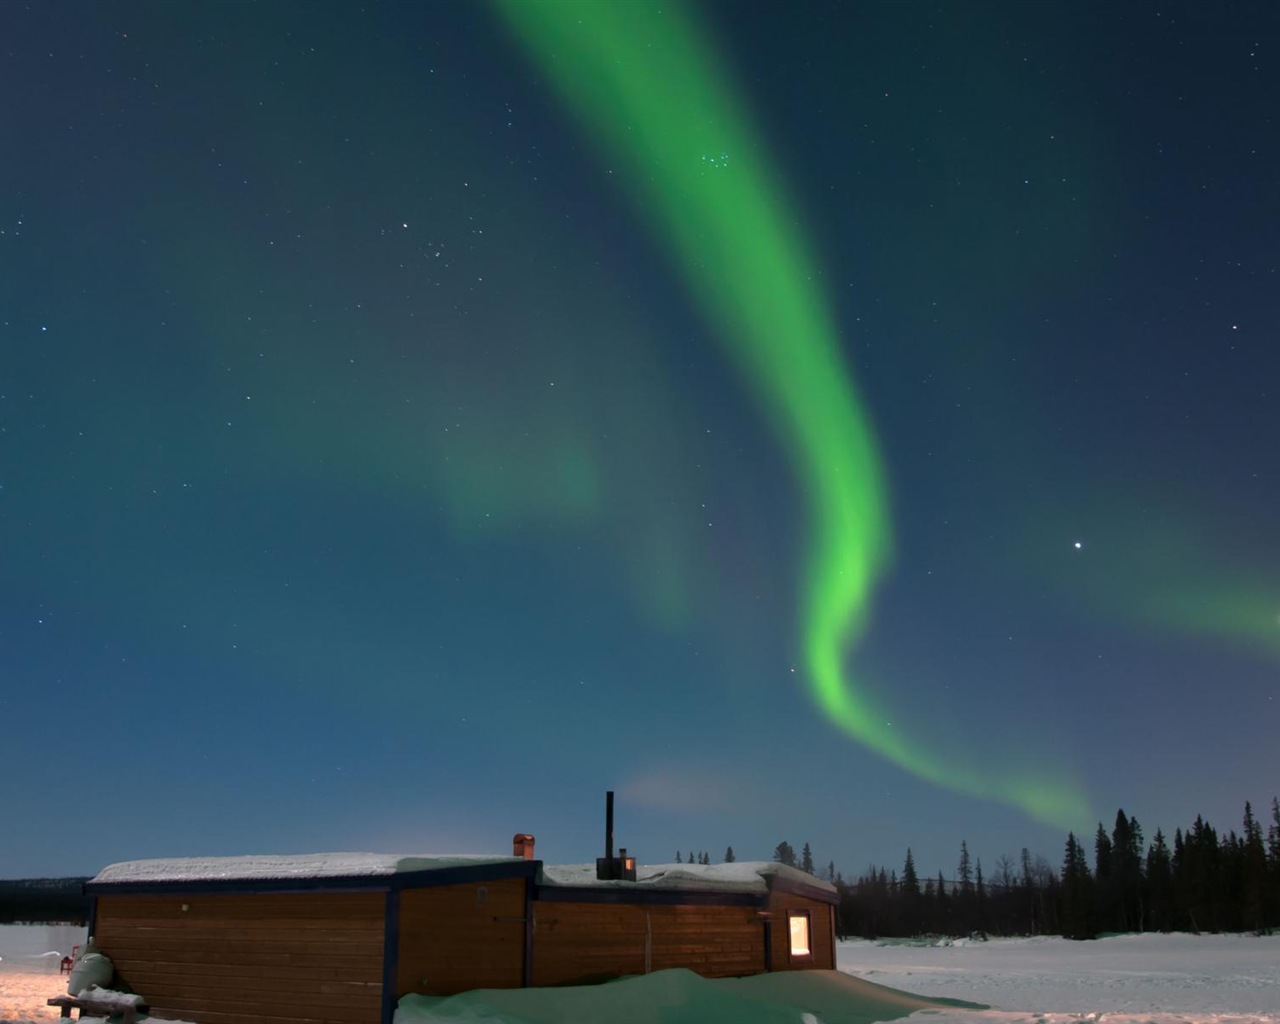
(799, 922)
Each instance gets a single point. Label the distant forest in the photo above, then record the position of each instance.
(1204, 882)
(1201, 882)
(44, 901)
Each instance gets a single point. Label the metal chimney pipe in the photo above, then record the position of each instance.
(608, 824)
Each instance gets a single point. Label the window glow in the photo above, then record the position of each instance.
(799, 933)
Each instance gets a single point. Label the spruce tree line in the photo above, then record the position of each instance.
(43, 901)
(1203, 882)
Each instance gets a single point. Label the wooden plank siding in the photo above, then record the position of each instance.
(459, 937)
(577, 943)
(296, 958)
(345, 953)
(822, 937)
(716, 942)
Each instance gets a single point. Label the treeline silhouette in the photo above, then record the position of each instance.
(43, 901)
(1202, 882)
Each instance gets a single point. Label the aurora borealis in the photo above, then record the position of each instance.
(698, 165)
(846, 424)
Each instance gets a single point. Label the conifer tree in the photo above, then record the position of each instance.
(806, 860)
(1273, 864)
(1076, 884)
(1032, 898)
(1101, 853)
(1104, 890)
(1181, 886)
(964, 908)
(910, 880)
(1273, 836)
(909, 889)
(1126, 874)
(980, 901)
(1159, 885)
(784, 853)
(729, 858)
(1196, 878)
(965, 874)
(1254, 872)
(678, 860)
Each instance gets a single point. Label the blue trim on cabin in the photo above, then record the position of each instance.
(427, 879)
(468, 873)
(244, 886)
(648, 897)
(93, 916)
(637, 893)
(768, 944)
(390, 955)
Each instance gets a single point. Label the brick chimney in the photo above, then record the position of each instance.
(522, 845)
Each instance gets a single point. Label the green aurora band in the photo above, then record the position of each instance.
(1159, 563)
(646, 83)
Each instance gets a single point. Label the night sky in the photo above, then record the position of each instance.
(852, 424)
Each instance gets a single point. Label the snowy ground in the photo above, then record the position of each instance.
(1147, 979)
(1125, 979)
(29, 974)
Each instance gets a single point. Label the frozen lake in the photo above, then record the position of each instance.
(1161, 978)
(35, 947)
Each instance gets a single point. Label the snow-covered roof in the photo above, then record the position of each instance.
(741, 876)
(305, 865)
(738, 877)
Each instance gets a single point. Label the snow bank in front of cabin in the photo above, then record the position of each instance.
(284, 866)
(740, 876)
(677, 997)
(1125, 979)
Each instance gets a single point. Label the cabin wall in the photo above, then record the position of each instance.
(585, 942)
(298, 958)
(716, 942)
(821, 933)
(458, 937)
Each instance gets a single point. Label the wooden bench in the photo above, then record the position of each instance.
(99, 1007)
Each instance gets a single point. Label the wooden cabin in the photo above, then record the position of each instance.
(341, 937)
